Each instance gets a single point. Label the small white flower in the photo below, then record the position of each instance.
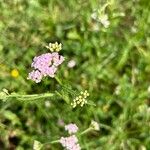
(104, 20)
(148, 89)
(134, 29)
(95, 125)
(71, 63)
(117, 90)
(47, 103)
(94, 15)
(37, 145)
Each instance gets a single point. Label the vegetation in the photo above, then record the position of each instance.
(107, 44)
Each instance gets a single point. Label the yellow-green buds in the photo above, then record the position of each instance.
(54, 47)
(81, 99)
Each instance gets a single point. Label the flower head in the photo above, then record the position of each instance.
(54, 47)
(35, 75)
(104, 20)
(101, 17)
(70, 143)
(95, 125)
(37, 145)
(45, 65)
(71, 128)
(81, 99)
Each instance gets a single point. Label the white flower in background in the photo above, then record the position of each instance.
(71, 63)
(37, 145)
(104, 20)
(101, 17)
(95, 125)
(148, 89)
(94, 15)
(117, 90)
(47, 104)
(143, 108)
(133, 29)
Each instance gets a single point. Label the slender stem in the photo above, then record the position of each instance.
(105, 126)
(86, 131)
(52, 142)
(56, 141)
(30, 97)
(58, 80)
(90, 128)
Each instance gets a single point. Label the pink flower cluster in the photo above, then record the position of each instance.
(70, 143)
(45, 65)
(71, 128)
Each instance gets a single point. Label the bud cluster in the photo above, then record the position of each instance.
(81, 99)
(54, 47)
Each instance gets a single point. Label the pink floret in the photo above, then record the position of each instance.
(70, 143)
(35, 75)
(71, 128)
(45, 65)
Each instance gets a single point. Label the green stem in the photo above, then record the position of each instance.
(86, 131)
(56, 141)
(58, 80)
(52, 142)
(30, 97)
(105, 126)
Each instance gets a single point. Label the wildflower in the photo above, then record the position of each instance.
(70, 143)
(118, 90)
(81, 99)
(148, 89)
(71, 128)
(134, 29)
(47, 104)
(37, 145)
(101, 17)
(45, 65)
(104, 20)
(54, 47)
(35, 75)
(14, 73)
(95, 125)
(71, 63)
(94, 15)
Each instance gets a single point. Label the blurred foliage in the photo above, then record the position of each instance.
(112, 63)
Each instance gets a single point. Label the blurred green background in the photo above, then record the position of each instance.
(110, 43)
